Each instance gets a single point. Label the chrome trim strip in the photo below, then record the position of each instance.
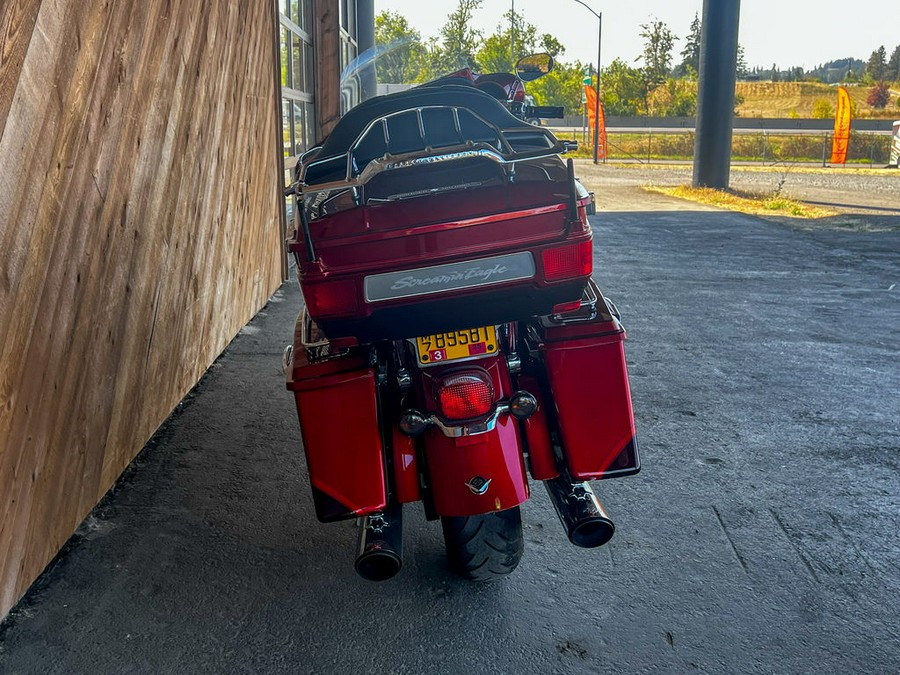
(473, 429)
(449, 277)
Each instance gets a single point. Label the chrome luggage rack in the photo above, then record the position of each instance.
(375, 149)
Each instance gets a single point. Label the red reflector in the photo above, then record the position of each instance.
(564, 307)
(465, 395)
(568, 262)
(330, 298)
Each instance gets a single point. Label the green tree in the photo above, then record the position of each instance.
(674, 98)
(438, 63)
(876, 65)
(893, 66)
(401, 54)
(562, 86)
(657, 55)
(551, 45)
(499, 53)
(495, 55)
(690, 55)
(513, 39)
(741, 63)
(623, 89)
(459, 41)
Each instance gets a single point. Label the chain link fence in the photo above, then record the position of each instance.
(647, 145)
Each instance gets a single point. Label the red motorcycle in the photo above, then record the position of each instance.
(453, 341)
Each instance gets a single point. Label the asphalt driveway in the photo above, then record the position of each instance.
(761, 535)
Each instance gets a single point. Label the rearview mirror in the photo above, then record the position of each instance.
(533, 66)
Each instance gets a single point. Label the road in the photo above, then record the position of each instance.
(850, 191)
(760, 537)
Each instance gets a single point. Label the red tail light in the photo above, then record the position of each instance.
(330, 298)
(465, 395)
(568, 262)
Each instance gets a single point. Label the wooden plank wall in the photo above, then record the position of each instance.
(327, 39)
(139, 230)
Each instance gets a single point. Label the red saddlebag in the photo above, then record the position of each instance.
(584, 356)
(336, 402)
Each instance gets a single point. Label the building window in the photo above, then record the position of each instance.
(350, 88)
(297, 80)
(298, 72)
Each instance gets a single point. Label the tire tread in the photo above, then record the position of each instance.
(485, 547)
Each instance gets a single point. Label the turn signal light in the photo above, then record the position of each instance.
(465, 395)
(568, 262)
(412, 422)
(331, 298)
(522, 405)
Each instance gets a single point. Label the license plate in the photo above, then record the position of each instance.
(458, 344)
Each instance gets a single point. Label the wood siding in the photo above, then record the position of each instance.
(139, 231)
(327, 38)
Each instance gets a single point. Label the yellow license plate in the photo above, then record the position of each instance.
(458, 344)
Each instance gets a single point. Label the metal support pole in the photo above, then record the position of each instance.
(512, 34)
(715, 99)
(597, 102)
(365, 26)
(597, 98)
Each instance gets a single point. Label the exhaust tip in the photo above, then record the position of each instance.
(378, 564)
(592, 532)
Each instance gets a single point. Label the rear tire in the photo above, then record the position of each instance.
(485, 547)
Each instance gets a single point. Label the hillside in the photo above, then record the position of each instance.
(796, 99)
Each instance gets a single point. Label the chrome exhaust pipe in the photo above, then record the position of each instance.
(380, 552)
(583, 518)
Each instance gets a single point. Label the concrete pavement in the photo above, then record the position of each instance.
(761, 535)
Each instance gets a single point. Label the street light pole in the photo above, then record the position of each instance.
(597, 97)
(512, 33)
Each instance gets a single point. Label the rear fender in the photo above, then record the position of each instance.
(470, 475)
(484, 472)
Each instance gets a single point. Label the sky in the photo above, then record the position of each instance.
(785, 32)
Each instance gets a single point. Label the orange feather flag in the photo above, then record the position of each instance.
(841, 128)
(590, 95)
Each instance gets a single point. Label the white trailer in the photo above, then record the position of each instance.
(895, 146)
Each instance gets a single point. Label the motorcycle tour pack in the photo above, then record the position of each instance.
(452, 340)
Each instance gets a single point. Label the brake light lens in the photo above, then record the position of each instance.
(465, 395)
(568, 262)
(331, 298)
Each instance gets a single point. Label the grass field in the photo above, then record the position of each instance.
(753, 147)
(796, 99)
(759, 204)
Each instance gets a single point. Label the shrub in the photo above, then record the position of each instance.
(879, 95)
(822, 109)
(674, 98)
